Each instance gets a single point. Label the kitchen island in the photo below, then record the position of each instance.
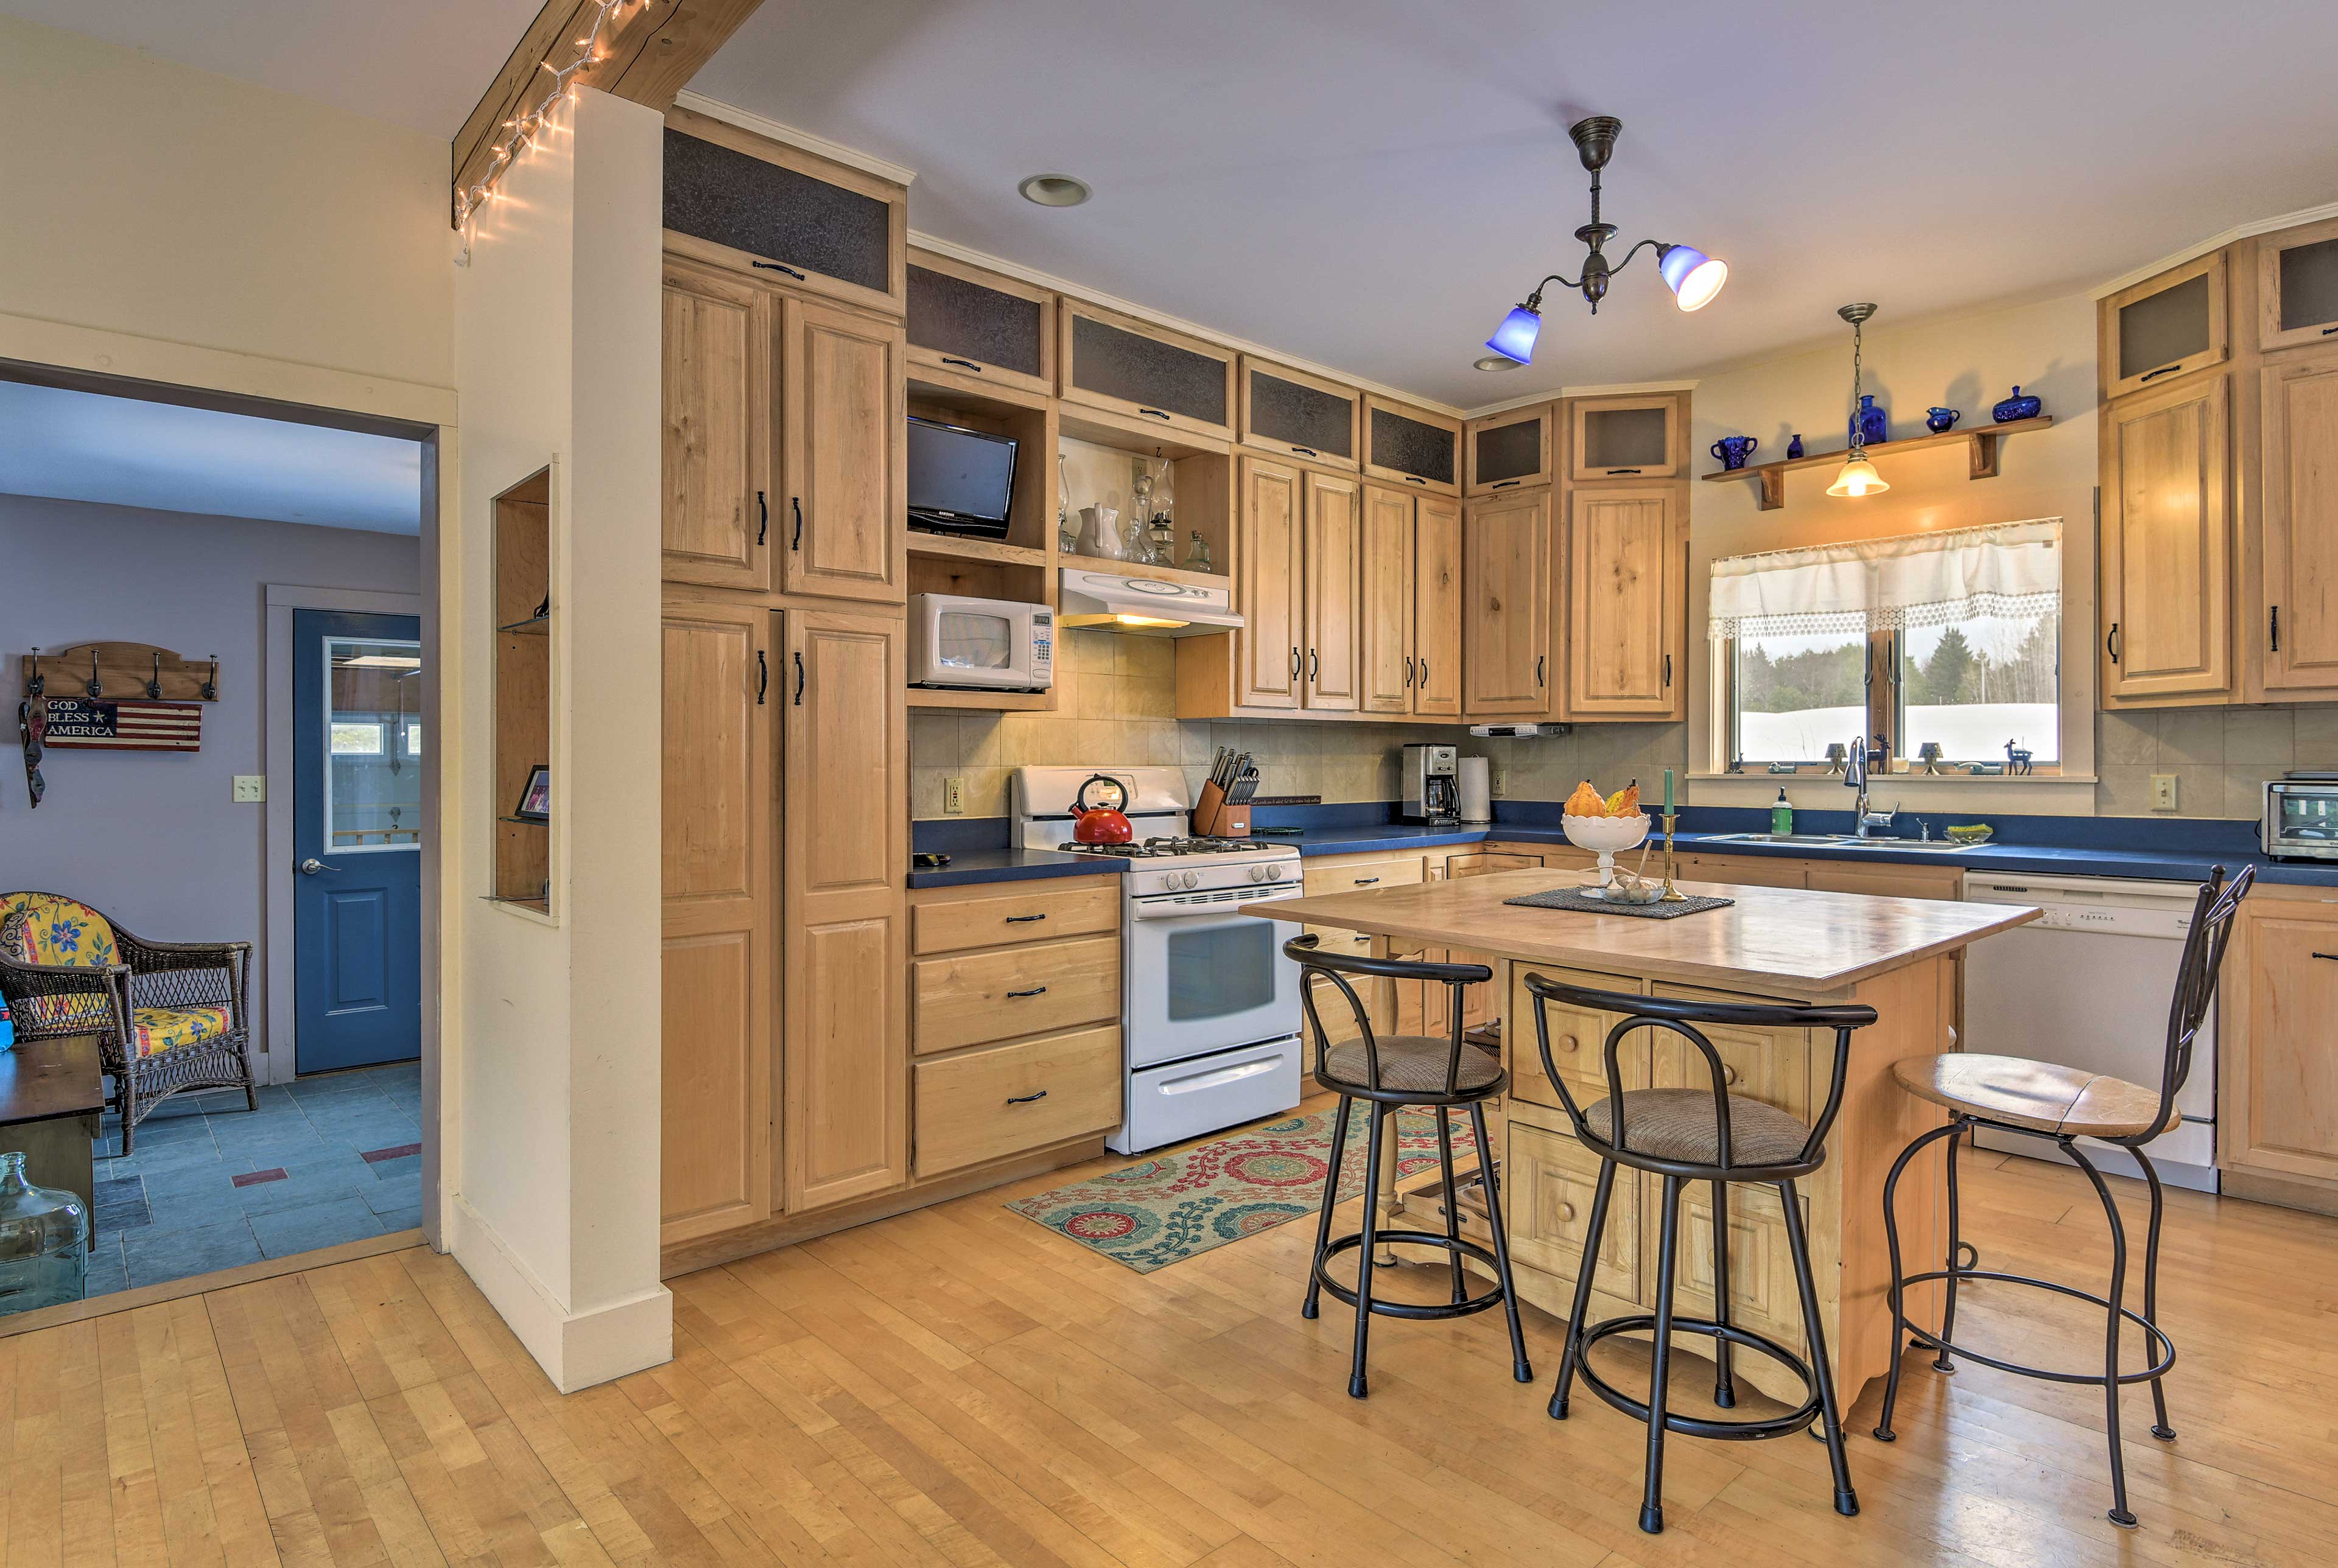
(1898, 955)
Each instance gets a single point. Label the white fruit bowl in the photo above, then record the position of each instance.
(1606, 836)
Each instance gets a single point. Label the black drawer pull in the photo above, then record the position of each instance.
(1366, 881)
(1306, 451)
(2332, 956)
(2163, 370)
(1414, 479)
(1613, 472)
(2327, 330)
(777, 267)
(1023, 919)
(963, 364)
(1035, 991)
(1026, 1099)
(1506, 484)
(1155, 413)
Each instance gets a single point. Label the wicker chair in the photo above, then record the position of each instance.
(169, 1015)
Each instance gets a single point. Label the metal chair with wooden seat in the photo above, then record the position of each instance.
(2062, 1105)
(1388, 1072)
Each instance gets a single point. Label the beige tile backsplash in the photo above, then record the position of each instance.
(2221, 757)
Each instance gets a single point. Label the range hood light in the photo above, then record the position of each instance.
(1133, 622)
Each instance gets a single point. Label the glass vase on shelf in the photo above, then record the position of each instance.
(1197, 554)
(43, 1241)
(1068, 538)
(1161, 542)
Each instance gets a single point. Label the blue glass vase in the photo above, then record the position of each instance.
(44, 1243)
(1940, 421)
(1870, 427)
(2017, 407)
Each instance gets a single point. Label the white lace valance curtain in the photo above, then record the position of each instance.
(2009, 569)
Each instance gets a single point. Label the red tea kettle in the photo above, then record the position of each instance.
(1096, 816)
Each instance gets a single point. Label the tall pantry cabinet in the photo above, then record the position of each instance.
(784, 746)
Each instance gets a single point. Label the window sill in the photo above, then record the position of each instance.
(1755, 774)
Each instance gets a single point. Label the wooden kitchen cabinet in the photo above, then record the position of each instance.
(1506, 614)
(2297, 285)
(1329, 572)
(1511, 450)
(1742, 870)
(843, 457)
(845, 864)
(2277, 1105)
(715, 423)
(1890, 880)
(984, 1105)
(1436, 608)
(1626, 582)
(1549, 1181)
(2168, 544)
(2298, 512)
(1612, 440)
(1386, 604)
(718, 919)
(979, 327)
(2165, 328)
(1148, 378)
(1272, 520)
(1411, 447)
(1294, 414)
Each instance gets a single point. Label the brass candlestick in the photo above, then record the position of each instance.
(1671, 893)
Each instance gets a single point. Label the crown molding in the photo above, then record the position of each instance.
(762, 125)
(1610, 389)
(2215, 243)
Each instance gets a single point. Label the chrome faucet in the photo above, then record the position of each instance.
(1854, 777)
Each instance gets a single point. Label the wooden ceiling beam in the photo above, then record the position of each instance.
(651, 55)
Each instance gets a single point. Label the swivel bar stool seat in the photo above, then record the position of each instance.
(2061, 1105)
(1388, 1072)
(1686, 1135)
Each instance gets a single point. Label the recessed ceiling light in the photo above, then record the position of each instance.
(1496, 362)
(1054, 189)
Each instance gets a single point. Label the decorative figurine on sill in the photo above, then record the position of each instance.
(1836, 756)
(1794, 447)
(1870, 427)
(1929, 754)
(1736, 765)
(2016, 759)
(1940, 420)
(2017, 407)
(1785, 767)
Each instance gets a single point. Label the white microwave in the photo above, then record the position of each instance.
(985, 644)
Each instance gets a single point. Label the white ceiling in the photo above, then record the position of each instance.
(1370, 183)
(86, 446)
(421, 63)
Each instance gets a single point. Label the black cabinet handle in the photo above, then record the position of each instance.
(2275, 628)
(1366, 881)
(962, 364)
(1294, 663)
(778, 266)
(1307, 451)
(795, 503)
(1407, 670)
(1023, 919)
(1424, 672)
(763, 677)
(1314, 664)
(1613, 472)
(763, 518)
(2327, 330)
(1026, 1099)
(2163, 370)
(2332, 956)
(1538, 669)
(2110, 642)
(1506, 484)
(1155, 413)
(1414, 479)
(799, 679)
(1668, 670)
(1035, 991)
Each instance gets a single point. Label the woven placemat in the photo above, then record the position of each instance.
(1575, 898)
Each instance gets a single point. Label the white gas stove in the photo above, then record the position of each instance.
(1210, 1009)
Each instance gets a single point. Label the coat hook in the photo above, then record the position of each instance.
(96, 688)
(211, 687)
(39, 682)
(154, 686)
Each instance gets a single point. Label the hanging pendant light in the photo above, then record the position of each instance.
(1858, 476)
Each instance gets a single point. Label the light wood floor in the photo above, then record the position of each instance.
(958, 1387)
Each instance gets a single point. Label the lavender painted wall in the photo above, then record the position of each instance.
(155, 838)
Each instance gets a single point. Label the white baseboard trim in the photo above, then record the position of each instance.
(575, 1350)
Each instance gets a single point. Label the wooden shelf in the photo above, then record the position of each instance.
(1014, 701)
(958, 548)
(1983, 439)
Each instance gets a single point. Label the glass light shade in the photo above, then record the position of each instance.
(1514, 338)
(1694, 277)
(1858, 477)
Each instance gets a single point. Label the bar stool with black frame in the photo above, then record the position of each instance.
(1390, 1073)
(2061, 1105)
(1686, 1136)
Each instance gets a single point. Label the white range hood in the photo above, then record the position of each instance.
(1144, 606)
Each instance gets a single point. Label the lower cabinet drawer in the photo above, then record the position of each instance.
(1028, 912)
(1549, 1181)
(989, 1104)
(1578, 1041)
(1401, 872)
(1014, 990)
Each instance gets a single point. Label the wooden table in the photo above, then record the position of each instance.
(51, 1095)
(1898, 955)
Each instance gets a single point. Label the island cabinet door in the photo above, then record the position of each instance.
(1549, 1182)
(843, 1088)
(1763, 1296)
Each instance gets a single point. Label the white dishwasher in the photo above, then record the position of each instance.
(2089, 985)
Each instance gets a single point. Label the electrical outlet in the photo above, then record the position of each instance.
(1498, 781)
(2163, 791)
(251, 788)
(953, 796)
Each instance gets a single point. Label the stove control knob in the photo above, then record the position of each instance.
(1274, 873)
(1258, 873)
(1190, 878)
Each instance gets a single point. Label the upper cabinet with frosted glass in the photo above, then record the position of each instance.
(2297, 287)
(1511, 450)
(1625, 438)
(2165, 327)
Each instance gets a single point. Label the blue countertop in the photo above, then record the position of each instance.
(968, 865)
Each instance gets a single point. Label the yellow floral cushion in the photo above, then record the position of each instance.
(161, 1029)
(58, 931)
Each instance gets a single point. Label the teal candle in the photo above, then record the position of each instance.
(1668, 792)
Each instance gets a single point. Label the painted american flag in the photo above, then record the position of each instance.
(79, 723)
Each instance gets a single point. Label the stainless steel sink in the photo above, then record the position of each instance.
(1839, 841)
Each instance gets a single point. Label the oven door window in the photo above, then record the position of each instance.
(970, 641)
(1221, 971)
(2309, 819)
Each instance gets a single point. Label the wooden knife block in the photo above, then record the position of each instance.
(1215, 818)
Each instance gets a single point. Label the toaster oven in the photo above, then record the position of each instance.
(2301, 816)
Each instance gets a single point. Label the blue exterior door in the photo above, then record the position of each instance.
(357, 839)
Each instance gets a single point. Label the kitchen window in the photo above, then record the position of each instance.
(1950, 640)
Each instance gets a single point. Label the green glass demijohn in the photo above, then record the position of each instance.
(43, 1241)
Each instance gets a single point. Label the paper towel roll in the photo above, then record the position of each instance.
(1477, 790)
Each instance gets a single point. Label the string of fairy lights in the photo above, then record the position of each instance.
(525, 130)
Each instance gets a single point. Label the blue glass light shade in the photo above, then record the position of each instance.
(1694, 277)
(1514, 338)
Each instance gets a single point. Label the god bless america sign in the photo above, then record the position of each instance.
(134, 726)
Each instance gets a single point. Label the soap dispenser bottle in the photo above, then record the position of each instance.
(1781, 814)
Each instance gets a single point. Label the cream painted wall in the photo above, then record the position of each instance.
(151, 198)
(557, 346)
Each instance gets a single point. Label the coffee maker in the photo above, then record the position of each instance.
(1432, 784)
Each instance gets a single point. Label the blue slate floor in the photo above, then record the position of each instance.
(211, 1185)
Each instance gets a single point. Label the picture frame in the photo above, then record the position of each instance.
(535, 801)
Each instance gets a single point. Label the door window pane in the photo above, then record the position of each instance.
(1977, 685)
(1798, 694)
(1221, 970)
(373, 721)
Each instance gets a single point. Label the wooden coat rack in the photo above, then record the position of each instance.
(121, 672)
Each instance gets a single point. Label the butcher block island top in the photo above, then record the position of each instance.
(1903, 957)
(1784, 941)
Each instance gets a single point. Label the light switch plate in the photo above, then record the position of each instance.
(953, 796)
(1498, 782)
(2163, 791)
(251, 788)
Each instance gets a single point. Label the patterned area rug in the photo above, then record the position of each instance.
(1163, 1210)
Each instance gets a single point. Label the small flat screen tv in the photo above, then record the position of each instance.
(959, 480)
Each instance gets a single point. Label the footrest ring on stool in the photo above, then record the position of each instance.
(1414, 1309)
(1795, 1420)
(1925, 1336)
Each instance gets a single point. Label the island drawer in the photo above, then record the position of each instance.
(1771, 1065)
(989, 1104)
(1015, 912)
(1010, 991)
(1577, 1040)
(1549, 1181)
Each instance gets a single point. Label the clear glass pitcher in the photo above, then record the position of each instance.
(43, 1241)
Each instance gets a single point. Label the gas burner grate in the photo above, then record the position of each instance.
(1164, 848)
